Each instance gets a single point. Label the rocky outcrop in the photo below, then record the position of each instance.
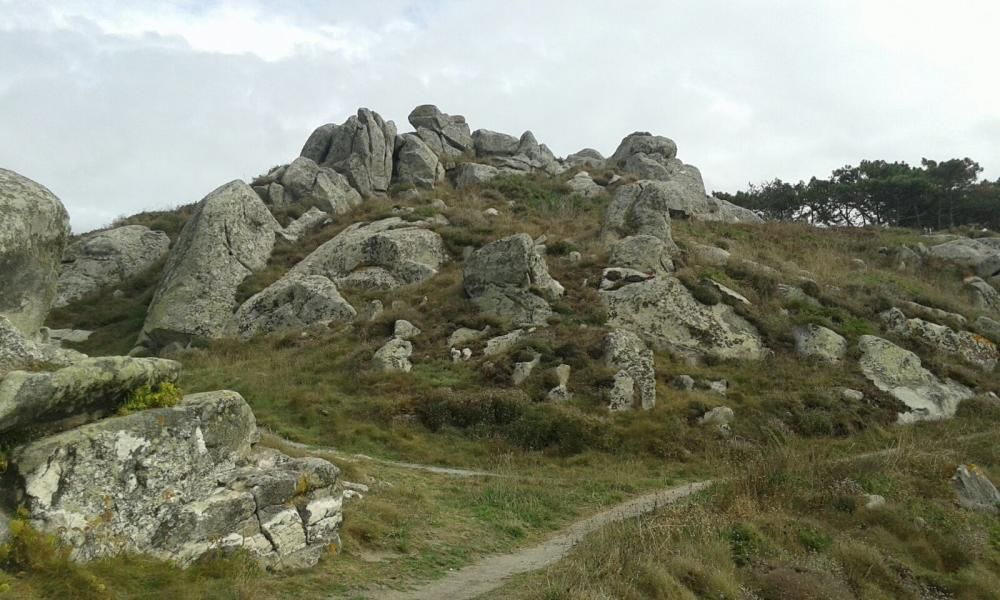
(292, 303)
(383, 254)
(989, 328)
(20, 353)
(311, 219)
(641, 206)
(88, 388)
(177, 483)
(361, 149)
(394, 356)
(445, 135)
(305, 182)
(635, 380)
(416, 163)
(582, 184)
(470, 174)
(974, 489)
(979, 255)
(508, 279)
(645, 253)
(491, 143)
(33, 231)
(820, 342)
(982, 295)
(663, 312)
(108, 258)
(970, 347)
(513, 155)
(230, 236)
(586, 158)
(899, 372)
(655, 147)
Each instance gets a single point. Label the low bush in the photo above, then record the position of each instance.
(145, 397)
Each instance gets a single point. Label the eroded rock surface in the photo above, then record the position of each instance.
(635, 382)
(361, 149)
(509, 279)
(291, 303)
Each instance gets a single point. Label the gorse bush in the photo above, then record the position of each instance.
(159, 396)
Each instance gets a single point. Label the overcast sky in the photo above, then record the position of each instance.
(122, 106)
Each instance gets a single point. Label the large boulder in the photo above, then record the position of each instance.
(981, 294)
(303, 181)
(471, 174)
(641, 207)
(491, 143)
(88, 388)
(107, 258)
(514, 155)
(509, 279)
(819, 342)
(635, 379)
(309, 220)
(656, 147)
(974, 489)
(230, 236)
(645, 253)
(383, 254)
(970, 347)
(664, 313)
(34, 227)
(900, 373)
(447, 136)
(979, 255)
(292, 303)
(177, 483)
(582, 184)
(361, 149)
(416, 163)
(21, 353)
(587, 158)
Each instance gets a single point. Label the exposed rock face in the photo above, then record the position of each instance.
(818, 341)
(230, 236)
(655, 147)
(501, 278)
(33, 232)
(291, 303)
(983, 295)
(989, 328)
(91, 386)
(491, 143)
(583, 185)
(588, 158)
(980, 255)
(416, 163)
(513, 155)
(108, 258)
(644, 253)
(640, 206)
(635, 381)
(970, 347)
(974, 489)
(176, 483)
(361, 149)
(446, 136)
(384, 254)
(304, 181)
(470, 174)
(394, 356)
(18, 352)
(663, 311)
(899, 372)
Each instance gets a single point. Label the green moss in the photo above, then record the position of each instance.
(145, 397)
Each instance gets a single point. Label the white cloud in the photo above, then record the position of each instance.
(123, 106)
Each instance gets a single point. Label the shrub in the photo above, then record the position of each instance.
(159, 396)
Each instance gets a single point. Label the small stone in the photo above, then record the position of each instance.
(466, 354)
(491, 212)
(522, 370)
(720, 416)
(405, 330)
(371, 311)
(851, 395)
(561, 393)
(682, 382)
(874, 501)
(575, 257)
(394, 356)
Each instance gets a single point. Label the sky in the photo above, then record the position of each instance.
(124, 106)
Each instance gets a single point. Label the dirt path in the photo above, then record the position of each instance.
(492, 571)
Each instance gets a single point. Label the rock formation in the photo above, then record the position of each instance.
(361, 149)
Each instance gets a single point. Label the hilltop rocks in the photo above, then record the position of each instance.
(513, 155)
(502, 278)
(33, 233)
(655, 147)
(583, 185)
(970, 347)
(491, 143)
(230, 236)
(90, 386)
(640, 207)
(416, 163)
(818, 341)
(108, 258)
(981, 255)
(899, 372)
(445, 135)
(635, 382)
(974, 489)
(470, 174)
(664, 312)
(361, 149)
(587, 158)
(304, 181)
(290, 303)
(383, 254)
(176, 483)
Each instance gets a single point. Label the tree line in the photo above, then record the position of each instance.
(934, 195)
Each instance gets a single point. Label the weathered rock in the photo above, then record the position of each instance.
(464, 336)
(635, 381)
(33, 231)
(588, 158)
(852, 395)
(311, 219)
(899, 372)
(491, 143)
(720, 417)
(405, 330)
(970, 347)
(361, 149)
(522, 370)
(643, 253)
(176, 483)
(979, 255)
(503, 343)
(561, 392)
(87, 388)
(394, 356)
(983, 295)
(656, 147)
(682, 382)
(665, 313)
(292, 302)
(719, 387)
(912, 309)
(873, 501)
(230, 236)
(708, 255)
(728, 294)
(582, 185)
(416, 163)
(818, 341)
(989, 328)
(20, 353)
(501, 279)
(974, 489)
(447, 136)
(383, 254)
(470, 174)
(107, 258)
(304, 181)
